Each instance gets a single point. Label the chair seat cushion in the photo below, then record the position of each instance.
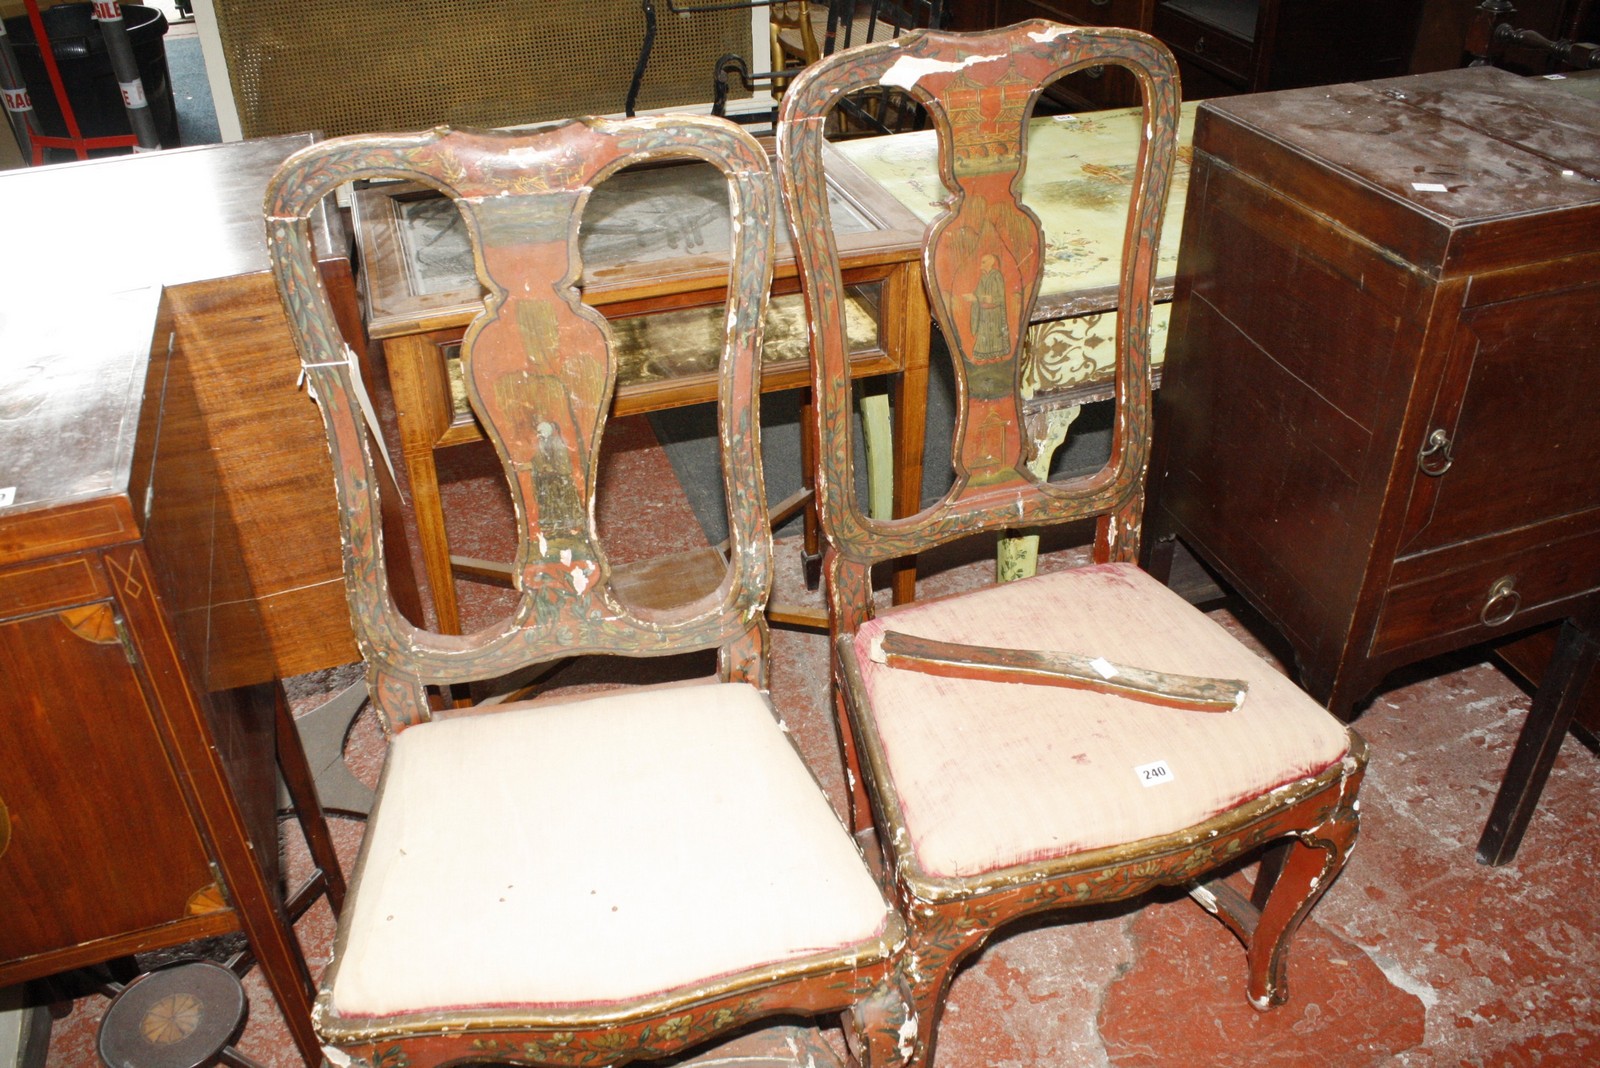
(599, 851)
(989, 775)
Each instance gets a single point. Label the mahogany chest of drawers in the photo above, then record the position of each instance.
(1377, 413)
(1377, 417)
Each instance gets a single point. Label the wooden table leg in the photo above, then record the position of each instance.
(328, 878)
(912, 336)
(254, 899)
(811, 543)
(1554, 704)
(422, 409)
(428, 509)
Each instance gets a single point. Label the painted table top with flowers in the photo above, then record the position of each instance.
(1076, 181)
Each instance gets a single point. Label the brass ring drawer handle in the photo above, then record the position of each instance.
(1502, 603)
(1435, 458)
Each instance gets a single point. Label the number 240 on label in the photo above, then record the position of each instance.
(1154, 774)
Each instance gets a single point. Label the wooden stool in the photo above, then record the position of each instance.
(181, 1016)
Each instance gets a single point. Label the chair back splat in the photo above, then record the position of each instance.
(539, 373)
(983, 262)
(1082, 735)
(625, 874)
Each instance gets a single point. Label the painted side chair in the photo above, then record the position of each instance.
(1079, 736)
(583, 881)
(804, 32)
(796, 31)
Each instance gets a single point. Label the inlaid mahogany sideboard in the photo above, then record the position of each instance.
(1377, 417)
(188, 222)
(168, 548)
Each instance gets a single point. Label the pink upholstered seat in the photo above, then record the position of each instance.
(993, 775)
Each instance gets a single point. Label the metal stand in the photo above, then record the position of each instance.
(19, 107)
(115, 33)
(725, 64)
(114, 30)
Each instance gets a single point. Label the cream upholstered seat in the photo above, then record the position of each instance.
(1143, 745)
(993, 775)
(606, 851)
(596, 880)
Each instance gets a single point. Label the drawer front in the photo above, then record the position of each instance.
(1206, 45)
(1498, 596)
(30, 588)
(97, 841)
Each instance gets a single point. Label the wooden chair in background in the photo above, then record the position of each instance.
(851, 23)
(1492, 39)
(1080, 736)
(802, 32)
(622, 875)
(796, 33)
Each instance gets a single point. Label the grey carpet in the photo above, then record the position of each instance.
(191, 92)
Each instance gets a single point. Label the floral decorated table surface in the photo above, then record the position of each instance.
(1077, 181)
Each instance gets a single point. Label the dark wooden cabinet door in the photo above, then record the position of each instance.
(1517, 408)
(1500, 527)
(75, 710)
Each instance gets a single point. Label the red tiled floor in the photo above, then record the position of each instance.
(1417, 956)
